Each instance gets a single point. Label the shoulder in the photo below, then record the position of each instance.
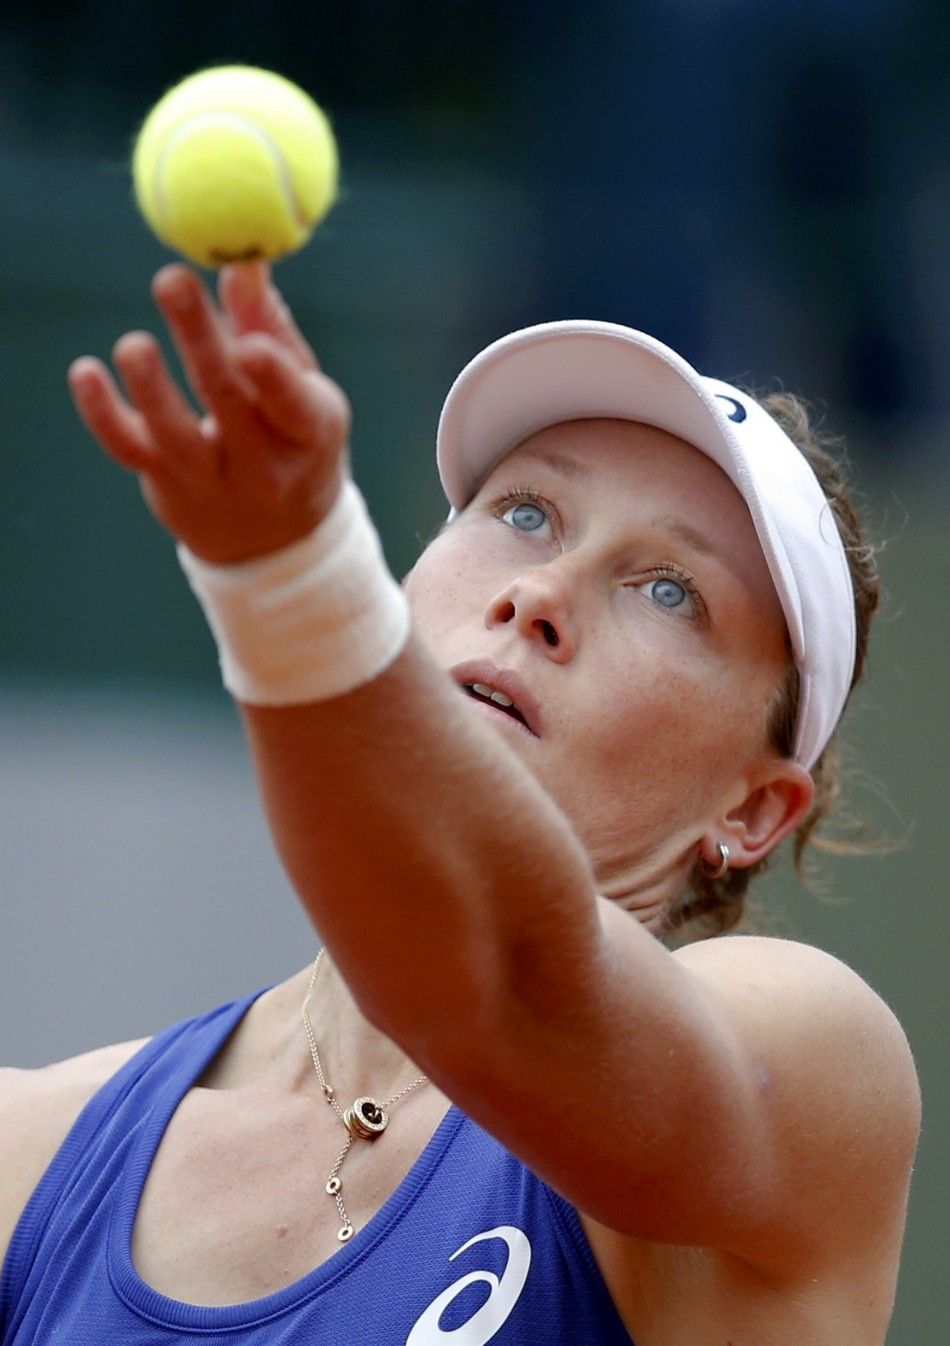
(37, 1109)
(818, 1163)
(795, 990)
(832, 1059)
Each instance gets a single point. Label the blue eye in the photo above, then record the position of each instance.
(526, 517)
(669, 593)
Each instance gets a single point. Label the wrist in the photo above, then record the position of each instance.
(309, 622)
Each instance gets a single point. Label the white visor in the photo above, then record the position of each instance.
(575, 370)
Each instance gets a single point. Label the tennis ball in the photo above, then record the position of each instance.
(235, 163)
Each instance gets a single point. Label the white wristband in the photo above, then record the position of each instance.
(310, 622)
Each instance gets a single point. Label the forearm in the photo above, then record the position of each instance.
(434, 865)
(459, 906)
(432, 862)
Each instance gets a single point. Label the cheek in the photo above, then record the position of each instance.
(439, 586)
(687, 720)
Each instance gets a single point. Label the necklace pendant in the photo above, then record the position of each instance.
(346, 1233)
(366, 1119)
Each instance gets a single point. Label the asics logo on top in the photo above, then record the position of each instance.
(490, 1318)
(738, 412)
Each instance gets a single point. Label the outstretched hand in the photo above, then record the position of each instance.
(264, 464)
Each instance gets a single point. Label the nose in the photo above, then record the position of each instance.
(539, 607)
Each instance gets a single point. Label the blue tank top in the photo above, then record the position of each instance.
(470, 1249)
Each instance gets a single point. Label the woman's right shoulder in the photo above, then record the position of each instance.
(37, 1110)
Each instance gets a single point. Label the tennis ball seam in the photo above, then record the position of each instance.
(235, 163)
(197, 121)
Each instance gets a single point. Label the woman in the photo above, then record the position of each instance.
(650, 634)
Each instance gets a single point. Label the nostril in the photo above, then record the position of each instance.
(506, 612)
(550, 635)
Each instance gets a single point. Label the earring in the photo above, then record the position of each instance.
(723, 867)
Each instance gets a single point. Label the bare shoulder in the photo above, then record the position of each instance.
(37, 1109)
(833, 1063)
(803, 991)
(819, 1167)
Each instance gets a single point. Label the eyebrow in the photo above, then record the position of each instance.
(560, 462)
(694, 538)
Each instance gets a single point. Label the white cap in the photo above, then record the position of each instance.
(574, 370)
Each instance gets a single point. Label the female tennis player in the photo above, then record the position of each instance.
(498, 1108)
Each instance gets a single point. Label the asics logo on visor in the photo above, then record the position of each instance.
(738, 412)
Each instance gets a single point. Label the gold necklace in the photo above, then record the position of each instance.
(364, 1120)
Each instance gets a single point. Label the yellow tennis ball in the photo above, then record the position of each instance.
(235, 163)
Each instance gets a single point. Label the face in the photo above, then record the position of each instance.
(607, 579)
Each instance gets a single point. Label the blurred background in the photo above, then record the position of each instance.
(764, 186)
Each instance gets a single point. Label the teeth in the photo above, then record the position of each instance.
(498, 697)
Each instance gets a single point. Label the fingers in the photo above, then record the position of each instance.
(304, 407)
(119, 429)
(262, 388)
(169, 419)
(205, 352)
(254, 304)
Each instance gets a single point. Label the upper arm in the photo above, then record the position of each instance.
(839, 1103)
(686, 1098)
(744, 1094)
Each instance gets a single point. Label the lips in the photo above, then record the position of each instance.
(502, 689)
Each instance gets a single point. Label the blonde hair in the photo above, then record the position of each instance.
(713, 906)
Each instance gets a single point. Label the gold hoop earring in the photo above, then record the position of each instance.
(722, 869)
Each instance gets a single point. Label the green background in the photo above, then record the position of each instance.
(768, 192)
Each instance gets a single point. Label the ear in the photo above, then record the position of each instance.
(775, 805)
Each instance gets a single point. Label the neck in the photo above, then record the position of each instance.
(645, 886)
(269, 1050)
(355, 1057)
(649, 906)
